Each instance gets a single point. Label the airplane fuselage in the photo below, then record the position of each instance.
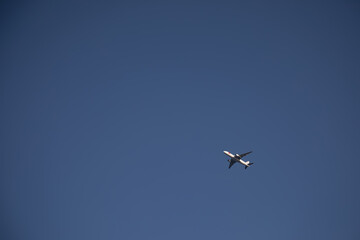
(234, 158)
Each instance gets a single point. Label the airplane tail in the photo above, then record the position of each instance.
(249, 164)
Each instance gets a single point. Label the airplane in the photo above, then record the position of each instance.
(238, 158)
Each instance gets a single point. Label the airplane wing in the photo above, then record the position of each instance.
(231, 163)
(244, 154)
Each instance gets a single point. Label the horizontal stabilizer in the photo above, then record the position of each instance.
(249, 164)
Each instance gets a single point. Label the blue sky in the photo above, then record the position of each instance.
(114, 116)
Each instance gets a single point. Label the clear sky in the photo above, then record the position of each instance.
(114, 116)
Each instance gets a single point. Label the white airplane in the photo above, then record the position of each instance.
(238, 158)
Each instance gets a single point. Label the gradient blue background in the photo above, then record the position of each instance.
(114, 116)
